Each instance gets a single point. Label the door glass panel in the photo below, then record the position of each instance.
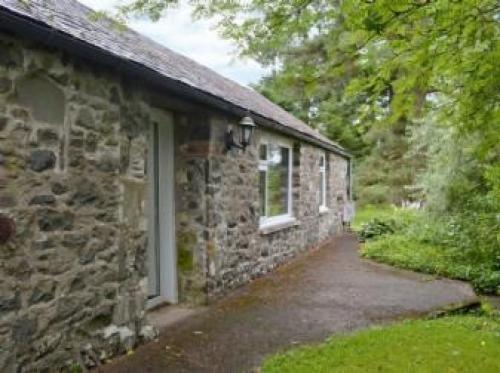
(154, 236)
(161, 258)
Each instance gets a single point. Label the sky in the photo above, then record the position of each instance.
(194, 39)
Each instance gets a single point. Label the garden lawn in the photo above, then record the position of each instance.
(450, 344)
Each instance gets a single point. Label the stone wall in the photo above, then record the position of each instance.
(73, 150)
(192, 147)
(72, 145)
(236, 249)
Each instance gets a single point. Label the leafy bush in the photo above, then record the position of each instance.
(406, 252)
(372, 222)
(366, 213)
(471, 237)
(375, 228)
(463, 245)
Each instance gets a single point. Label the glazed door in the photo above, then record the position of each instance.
(161, 255)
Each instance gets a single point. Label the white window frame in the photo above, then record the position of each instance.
(266, 221)
(322, 171)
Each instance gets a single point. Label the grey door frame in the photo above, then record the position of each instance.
(161, 252)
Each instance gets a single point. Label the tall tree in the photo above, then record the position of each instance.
(393, 62)
(320, 103)
(443, 46)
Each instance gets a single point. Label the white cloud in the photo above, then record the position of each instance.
(194, 39)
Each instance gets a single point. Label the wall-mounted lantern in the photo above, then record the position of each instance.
(246, 129)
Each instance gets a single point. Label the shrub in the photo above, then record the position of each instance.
(375, 222)
(462, 245)
(366, 213)
(408, 253)
(375, 228)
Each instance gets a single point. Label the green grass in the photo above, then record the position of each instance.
(451, 344)
(368, 213)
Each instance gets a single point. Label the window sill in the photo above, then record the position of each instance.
(323, 210)
(272, 227)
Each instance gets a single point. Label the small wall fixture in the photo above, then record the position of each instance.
(246, 128)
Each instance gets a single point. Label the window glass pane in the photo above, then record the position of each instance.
(277, 187)
(263, 152)
(321, 190)
(322, 162)
(262, 192)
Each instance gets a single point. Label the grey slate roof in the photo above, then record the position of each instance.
(74, 19)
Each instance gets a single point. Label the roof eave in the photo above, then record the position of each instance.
(50, 36)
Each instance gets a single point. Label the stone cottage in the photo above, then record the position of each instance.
(125, 184)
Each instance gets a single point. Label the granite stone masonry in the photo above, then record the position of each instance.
(74, 147)
(72, 279)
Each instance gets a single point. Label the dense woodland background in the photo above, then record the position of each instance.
(412, 89)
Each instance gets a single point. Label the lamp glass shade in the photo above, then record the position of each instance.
(247, 126)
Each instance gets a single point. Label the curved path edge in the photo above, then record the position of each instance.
(328, 291)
